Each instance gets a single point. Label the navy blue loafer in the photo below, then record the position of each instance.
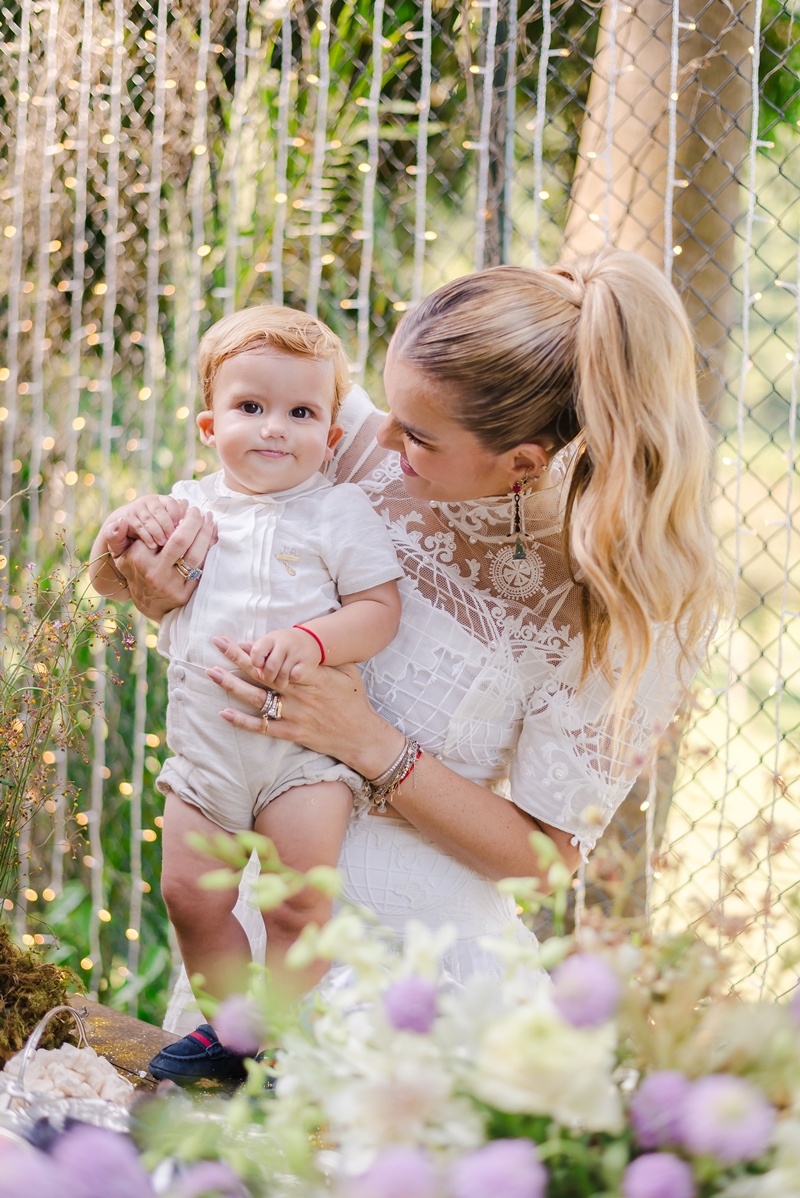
(197, 1056)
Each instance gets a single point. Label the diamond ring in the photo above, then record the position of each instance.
(190, 573)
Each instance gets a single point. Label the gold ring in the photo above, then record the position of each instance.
(265, 725)
(190, 573)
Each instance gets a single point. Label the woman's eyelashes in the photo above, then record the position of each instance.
(414, 440)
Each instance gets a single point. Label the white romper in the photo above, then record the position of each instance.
(280, 560)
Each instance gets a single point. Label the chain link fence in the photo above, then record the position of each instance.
(165, 163)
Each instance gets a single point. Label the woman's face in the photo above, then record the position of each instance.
(441, 459)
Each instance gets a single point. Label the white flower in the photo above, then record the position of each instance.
(530, 1060)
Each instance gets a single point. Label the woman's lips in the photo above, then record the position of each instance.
(404, 466)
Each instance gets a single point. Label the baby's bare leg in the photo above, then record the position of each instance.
(307, 825)
(211, 939)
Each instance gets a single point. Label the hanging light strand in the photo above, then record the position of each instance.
(78, 267)
(368, 194)
(610, 106)
(234, 147)
(672, 147)
(43, 280)
(424, 110)
(484, 136)
(197, 188)
(511, 130)
(318, 160)
(15, 282)
(538, 131)
(282, 157)
(741, 413)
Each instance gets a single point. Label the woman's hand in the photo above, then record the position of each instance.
(328, 712)
(155, 585)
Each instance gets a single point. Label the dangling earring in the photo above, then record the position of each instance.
(517, 528)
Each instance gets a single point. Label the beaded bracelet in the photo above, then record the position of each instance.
(384, 786)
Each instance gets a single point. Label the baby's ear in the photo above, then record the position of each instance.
(205, 423)
(334, 437)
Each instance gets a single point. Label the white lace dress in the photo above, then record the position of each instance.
(485, 673)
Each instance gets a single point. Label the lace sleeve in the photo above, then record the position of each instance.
(569, 770)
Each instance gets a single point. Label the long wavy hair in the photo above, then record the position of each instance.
(597, 352)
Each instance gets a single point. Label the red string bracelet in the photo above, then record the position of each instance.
(303, 628)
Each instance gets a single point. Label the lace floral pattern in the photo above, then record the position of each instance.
(485, 669)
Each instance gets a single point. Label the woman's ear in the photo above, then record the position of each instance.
(334, 437)
(531, 458)
(205, 423)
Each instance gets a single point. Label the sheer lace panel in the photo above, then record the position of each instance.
(486, 667)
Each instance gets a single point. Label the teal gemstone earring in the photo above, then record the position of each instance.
(518, 521)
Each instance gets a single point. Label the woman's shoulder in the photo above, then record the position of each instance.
(358, 452)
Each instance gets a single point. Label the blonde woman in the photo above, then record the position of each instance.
(555, 603)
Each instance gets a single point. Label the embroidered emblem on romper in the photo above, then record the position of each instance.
(286, 556)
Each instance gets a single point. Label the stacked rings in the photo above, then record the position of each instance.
(190, 573)
(272, 707)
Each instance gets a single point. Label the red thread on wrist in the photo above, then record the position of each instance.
(410, 770)
(303, 628)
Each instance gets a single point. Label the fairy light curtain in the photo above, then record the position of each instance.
(166, 163)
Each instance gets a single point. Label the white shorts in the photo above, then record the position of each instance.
(228, 773)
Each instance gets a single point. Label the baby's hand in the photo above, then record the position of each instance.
(151, 520)
(287, 654)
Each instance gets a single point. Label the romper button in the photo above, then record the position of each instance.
(180, 674)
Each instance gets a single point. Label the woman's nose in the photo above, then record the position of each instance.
(390, 434)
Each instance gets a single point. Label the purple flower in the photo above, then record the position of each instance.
(657, 1108)
(25, 1172)
(410, 1004)
(587, 990)
(240, 1025)
(94, 1163)
(728, 1118)
(209, 1178)
(504, 1169)
(658, 1175)
(396, 1173)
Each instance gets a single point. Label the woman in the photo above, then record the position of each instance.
(554, 605)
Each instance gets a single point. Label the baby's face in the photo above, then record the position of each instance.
(270, 420)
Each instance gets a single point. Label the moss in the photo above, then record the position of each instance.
(29, 988)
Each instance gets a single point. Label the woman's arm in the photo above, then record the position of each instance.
(331, 714)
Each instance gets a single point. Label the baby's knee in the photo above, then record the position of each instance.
(186, 901)
(287, 921)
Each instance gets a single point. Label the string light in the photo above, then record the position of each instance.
(672, 149)
(612, 97)
(234, 148)
(421, 177)
(14, 280)
(43, 275)
(197, 189)
(485, 130)
(281, 157)
(368, 194)
(538, 133)
(511, 129)
(318, 161)
(740, 424)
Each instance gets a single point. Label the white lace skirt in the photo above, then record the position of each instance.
(392, 870)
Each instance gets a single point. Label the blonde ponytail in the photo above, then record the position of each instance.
(637, 514)
(598, 352)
